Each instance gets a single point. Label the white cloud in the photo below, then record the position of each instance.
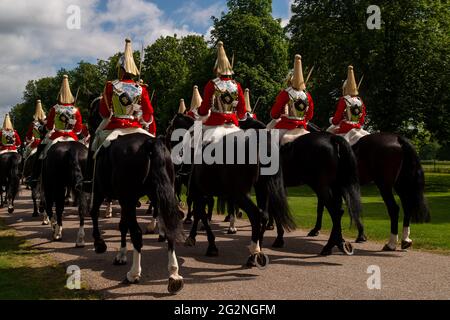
(194, 14)
(35, 40)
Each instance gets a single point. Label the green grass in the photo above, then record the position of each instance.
(28, 274)
(434, 236)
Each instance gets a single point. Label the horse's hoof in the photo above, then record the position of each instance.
(279, 243)
(231, 231)
(314, 233)
(212, 251)
(80, 245)
(189, 242)
(100, 246)
(261, 261)
(162, 239)
(347, 248)
(11, 210)
(45, 223)
(57, 239)
(175, 285)
(386, 248)
(361, 239)
(406, 245)
(128, 282)
(327, 251)
(119, 262)
(251, 262)
(188, 221)
(270, 227)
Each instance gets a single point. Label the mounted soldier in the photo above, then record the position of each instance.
(9, 138)
(9, 162)
(294, 106)
(350, 115)
(125, 104)
(34, 133)
(223, 101)
(64, 124)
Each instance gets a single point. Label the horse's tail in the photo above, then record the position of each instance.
(412, 182)
(347, 177)
(77, 179)
(163, 189)
(278, 204)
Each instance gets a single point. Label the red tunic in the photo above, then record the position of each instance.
(152, 128)
(30, 138)
(17, 142)
(287, 123)
(339, 118)
(70, 134)
(116, 123)
(216, 118)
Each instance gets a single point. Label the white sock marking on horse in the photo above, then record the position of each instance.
(135, 272)
(58, 232)
(173, 266)
(80, 237)
(406, 234)
(109, 210)
(393, 241)
(233, 223)
(122, 255)
(152, 225)
(254, 248)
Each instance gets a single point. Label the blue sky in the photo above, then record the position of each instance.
(36, 41)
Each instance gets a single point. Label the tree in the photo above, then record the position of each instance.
(259, 46)
(406, 64)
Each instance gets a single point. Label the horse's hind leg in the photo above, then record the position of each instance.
(82, 210)
(129, 213)
(99, 243)
(334, 206)
(121, 257)
(176, 281)
(59, 204)
(35, 206)
(406, 240)
(320, 209)
(212, 248)
(393, 210)
(257, 257)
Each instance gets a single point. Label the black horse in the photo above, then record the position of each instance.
(27, 172)
(63, 169)
(9, 178)
(327, 165)
(391, 162)
(134, 166)
(233, 183)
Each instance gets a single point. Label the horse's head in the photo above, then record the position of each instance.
(179, 121)
(94, 119)
(251, 123)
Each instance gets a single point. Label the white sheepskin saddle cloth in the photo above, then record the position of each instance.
(106, 137)
(213, 134)
(8, 151)
(287, 136)
(352, 136)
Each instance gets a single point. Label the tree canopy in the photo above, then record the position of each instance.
(405, 63)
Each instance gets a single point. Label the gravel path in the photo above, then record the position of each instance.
(295, 272)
